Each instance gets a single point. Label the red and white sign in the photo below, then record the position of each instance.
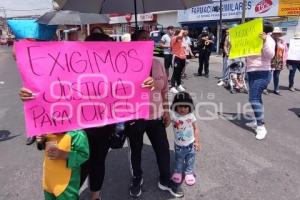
(148, 17)
(232, 9)
(263, 6)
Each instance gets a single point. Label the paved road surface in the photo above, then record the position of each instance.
(232, 165)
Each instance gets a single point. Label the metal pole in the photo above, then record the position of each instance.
(135, 15)
(220, 34)
(5, 18)
(244, 11)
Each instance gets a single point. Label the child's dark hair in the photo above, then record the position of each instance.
(183, 99)
(98, 37)
(138, 35)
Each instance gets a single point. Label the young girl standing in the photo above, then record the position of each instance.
(186, 138)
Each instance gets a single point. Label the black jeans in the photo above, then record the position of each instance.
(204, 60)
(156, 131)
(292, 74)
(168, 62)
(94, 167)
(179, 64)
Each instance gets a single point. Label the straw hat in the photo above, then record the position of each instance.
(277, 30)
(297, 35)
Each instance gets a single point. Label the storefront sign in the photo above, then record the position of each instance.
(289, 8)
(244, 39)
(147, 17)
(232, 9)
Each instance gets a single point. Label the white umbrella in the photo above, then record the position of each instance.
(67, 17)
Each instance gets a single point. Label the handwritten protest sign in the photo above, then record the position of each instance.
(29, 28)
(244, 39)
(83, 84)
(294, 49)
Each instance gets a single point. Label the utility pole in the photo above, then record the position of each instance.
(5, 18)
(244, 11)
(220, 24)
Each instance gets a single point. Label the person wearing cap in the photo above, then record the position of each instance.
(165, 43)
(206, 41)
(278, 62)
(294, 65)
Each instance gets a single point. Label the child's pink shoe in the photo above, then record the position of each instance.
(177, 177)
(190, 179)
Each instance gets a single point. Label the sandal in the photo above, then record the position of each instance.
(190, 179)
(177, 177)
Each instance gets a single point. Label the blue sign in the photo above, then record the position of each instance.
(29, 28)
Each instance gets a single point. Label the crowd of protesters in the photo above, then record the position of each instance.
(89, 147)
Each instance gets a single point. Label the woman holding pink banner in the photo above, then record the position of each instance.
(155, 129)
(99, 138)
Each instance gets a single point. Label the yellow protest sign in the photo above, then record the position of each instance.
(289, 8)
(245, 40)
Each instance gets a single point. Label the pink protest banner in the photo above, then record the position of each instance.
(83, 84)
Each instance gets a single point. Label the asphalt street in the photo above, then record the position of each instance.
(232, 164)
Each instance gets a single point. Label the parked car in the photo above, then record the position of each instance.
(156, 37)
(10, 40)
(3, 41)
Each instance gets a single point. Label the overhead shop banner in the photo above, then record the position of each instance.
(232, 9)
(289, 8)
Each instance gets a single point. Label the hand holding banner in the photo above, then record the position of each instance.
(245, 40)
(83, 84)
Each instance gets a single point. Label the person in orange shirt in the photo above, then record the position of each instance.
(179, 59)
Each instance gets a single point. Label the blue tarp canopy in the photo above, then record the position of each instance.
(29, 28)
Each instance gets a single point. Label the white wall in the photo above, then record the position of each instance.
(168, 19)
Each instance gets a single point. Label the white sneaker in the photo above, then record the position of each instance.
(261, 132)
(252, 124)
(180, 88)
(221, 83)
(173, 90)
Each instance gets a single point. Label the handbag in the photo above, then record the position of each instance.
(118, 137)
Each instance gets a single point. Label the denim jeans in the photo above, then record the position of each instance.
(225, 68)
(258, 81)
(276, 74)
(292, 74)
(184, 159)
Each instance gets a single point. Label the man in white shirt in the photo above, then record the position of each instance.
(186, 43)
(165, 43)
